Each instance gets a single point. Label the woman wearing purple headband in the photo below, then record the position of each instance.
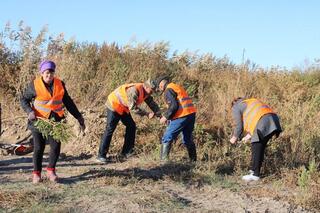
(46, 97)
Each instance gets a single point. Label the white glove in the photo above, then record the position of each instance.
(246, 138)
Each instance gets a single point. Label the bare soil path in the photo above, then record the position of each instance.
(135, 185)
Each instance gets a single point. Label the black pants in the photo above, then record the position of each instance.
(39, 144)
(257, 153)
(113, 119)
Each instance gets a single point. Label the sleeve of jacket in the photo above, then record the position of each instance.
(237, 117)
(172, 102)
(69, 104)
(153, 106)
(133, 95)
(27, 97)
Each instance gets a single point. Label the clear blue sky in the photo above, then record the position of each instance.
(272, 32)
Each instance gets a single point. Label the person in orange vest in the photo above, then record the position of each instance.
(121, 102)
(46, 97)
(180, 117)
(260, 123)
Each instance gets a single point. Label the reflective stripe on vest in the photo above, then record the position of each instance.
(186, 106)
(48, 102)
(44, 102)
(119, 99)
(254, 111)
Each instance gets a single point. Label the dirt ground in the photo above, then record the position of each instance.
(88, 186)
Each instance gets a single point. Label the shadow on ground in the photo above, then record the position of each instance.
(16, 163)
(174, 171)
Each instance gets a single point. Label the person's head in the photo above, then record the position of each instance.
(149, 86)
(161, 82)
(234, 101)
(47, 69)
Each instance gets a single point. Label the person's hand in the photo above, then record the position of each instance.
(233, 140)
(151, 115)
(163, 120)
(246, 138)
(82, 124)
(31, 116)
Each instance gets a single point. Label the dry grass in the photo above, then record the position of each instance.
(212, 82)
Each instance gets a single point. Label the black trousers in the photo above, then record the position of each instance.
(257, 153)
(39, 145)
(113, 119)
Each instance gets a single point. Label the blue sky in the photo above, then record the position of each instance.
(284, 33)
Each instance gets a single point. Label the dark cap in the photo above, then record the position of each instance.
(161, 78)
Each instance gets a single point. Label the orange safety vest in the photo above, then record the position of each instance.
(44, 102)
(254, 111)
(119, 99)
(186, 106)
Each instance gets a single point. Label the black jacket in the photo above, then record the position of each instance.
(171, 100)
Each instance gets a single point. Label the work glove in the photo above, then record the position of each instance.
(31, 116)
(151, 115)
(233, 140)
(163, 120)
(81, 123)
(246, 138)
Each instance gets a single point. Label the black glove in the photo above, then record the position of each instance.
(81, 123)
(31, 116)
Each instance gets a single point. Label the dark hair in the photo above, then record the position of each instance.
(235, 101)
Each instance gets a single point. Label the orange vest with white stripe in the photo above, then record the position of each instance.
(254, 111)
(119, 99)
(185, 103)
(44, 102)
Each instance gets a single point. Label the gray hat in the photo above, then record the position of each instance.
(150, 83)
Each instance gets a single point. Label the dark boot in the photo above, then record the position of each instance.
(192, 152)
(165, 150)
(126, 155)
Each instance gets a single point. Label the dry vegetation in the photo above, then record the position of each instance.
(91, 71)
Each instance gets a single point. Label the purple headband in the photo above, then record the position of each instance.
(47, 65)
